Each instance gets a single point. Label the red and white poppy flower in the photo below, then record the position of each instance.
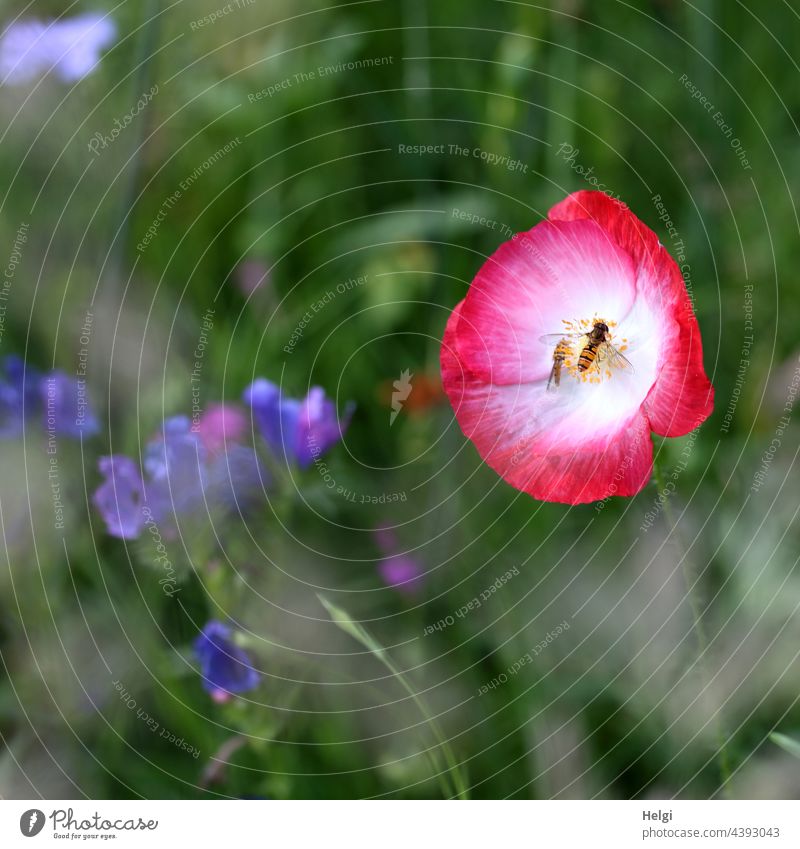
(591, 261)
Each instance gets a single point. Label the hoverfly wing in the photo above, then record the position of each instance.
(555, 338)
(617, 358)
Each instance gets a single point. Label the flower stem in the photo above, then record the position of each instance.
(215, 769)
(698, 626)
(145, 73)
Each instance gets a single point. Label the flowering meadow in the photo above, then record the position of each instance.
(398, 400)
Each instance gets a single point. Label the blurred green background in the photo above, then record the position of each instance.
(313, 190)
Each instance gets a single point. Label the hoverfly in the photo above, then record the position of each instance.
(560, 354)
(595, 349)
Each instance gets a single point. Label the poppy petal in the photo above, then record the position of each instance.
(683, 396)
(549, 449)
(556, 272)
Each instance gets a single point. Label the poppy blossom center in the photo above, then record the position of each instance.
(588, 350)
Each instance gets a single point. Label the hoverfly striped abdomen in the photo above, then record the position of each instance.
(594, 339)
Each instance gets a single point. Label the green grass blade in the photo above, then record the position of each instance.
(362, 636)
(786, 743)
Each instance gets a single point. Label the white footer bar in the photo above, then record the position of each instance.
(401, 824)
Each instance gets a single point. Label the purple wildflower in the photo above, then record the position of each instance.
(225, 667)
(181, 477)
(175, 463)
(167, 455)
(319, 427)
(236, 479)
(70, 47)
(299, 430)
(401, 572)
(235, 475)
(119, 498)
(66, 407)
(397, 570)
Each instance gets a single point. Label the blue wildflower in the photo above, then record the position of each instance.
(20, 397)
(61, 401)
(24, 379)
(275, 416)
(69, 47)
(299, 430)
(10, 418)
(225, 667)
